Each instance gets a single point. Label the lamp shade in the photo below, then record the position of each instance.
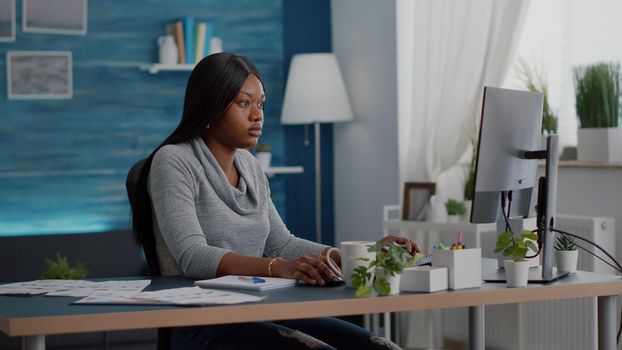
(315, 91)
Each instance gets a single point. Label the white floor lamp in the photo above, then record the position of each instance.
(315, 94)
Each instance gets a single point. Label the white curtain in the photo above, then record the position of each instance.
(448, 50)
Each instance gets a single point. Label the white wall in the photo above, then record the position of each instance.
(366, 168)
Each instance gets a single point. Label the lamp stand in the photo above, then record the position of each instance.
(318, 186)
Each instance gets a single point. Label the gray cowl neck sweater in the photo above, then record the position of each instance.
(199, 216)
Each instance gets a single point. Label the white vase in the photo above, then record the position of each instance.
(168, 50)
(394, 281)
(600, 145)
(264, 159)
(516, 273)
(567, 260)
(467, 205)
(454, 219)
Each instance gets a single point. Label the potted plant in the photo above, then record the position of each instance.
(597, 91)
(455, 210)
(388, 265)
(534, 81)
(566, 253)
(62, 269)
(516, 246)
(264, 155)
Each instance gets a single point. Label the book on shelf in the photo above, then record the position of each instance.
(179, 39)
(189, 38)
(201, 29)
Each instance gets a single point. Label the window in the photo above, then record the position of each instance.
(557, 36)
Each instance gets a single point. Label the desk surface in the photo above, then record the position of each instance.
(22, 316)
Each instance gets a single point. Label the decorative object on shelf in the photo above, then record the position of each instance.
(566, 253)
(390, 260)
(67, 17)
(62, 269)
(464, 269)
(39, 75)
(7, 20)
(264, 155)
(215, 46)
(193, 39)
(516, 270)
(597, 90)
(315, 93)
(416, 197)
(455, 210)
(168, 50)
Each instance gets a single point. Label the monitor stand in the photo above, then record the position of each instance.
(535, 275)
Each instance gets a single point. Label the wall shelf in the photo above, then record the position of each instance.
(271, 171)
(155, 68)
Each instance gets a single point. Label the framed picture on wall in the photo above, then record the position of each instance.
(416, 196)
(7, 20)
(55, 16)
(39, 75)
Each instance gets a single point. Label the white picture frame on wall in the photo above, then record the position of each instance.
(68, 17)
(7, 20)
(39, 75)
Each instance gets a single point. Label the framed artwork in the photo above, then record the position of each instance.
(416, 196)
(39, 75)
(7, 20)
(55, 16)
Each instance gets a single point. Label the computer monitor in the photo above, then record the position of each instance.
(507, 164)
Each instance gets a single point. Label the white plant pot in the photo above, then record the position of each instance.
(264, 159)
(516, 273)
(394, 281)
(468, 204)
(454, 219)
(600, 145)
(567, 260)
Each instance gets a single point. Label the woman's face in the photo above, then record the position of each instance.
(241, 125)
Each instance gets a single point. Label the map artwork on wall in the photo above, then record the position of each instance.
(39, 75)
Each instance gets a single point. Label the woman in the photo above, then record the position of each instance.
(207, 202)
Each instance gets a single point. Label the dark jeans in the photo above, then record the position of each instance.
(315, 333)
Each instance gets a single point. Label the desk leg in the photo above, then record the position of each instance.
(607, 323)
(33, 342)
(476, 328)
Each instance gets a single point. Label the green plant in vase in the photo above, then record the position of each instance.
(390, 257)
(597, 91)
(517, 247)
(534, 81)
(455, 207)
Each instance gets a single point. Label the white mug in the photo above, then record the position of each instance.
(351, 251)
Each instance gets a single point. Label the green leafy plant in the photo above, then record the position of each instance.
(469, 185)
(597, 91)
(534, 81)
(565, 243)
(62, 269)
(389, 256)
(516, 246)
(263, 147)
(455, 207)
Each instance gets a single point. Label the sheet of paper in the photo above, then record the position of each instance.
(175, 296)
(74, 288)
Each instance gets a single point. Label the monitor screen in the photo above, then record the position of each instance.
(511, 121)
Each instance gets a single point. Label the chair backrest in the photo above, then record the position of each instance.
(147, 241)
(148, 244)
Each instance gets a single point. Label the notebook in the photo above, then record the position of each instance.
(246, 282)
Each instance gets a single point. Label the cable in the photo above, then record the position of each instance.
(598, 257)
(592, 243)
(505, 216)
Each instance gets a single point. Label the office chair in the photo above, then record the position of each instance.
(148, 245)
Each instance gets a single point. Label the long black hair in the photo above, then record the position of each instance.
(213, 85)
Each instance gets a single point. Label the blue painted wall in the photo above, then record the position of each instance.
(63, 163)
(307, 28)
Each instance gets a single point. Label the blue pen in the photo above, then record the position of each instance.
(253, 279)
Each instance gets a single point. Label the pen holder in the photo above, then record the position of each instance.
(464, 266)
(424, 279)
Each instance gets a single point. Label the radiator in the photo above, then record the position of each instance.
(550, 325)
